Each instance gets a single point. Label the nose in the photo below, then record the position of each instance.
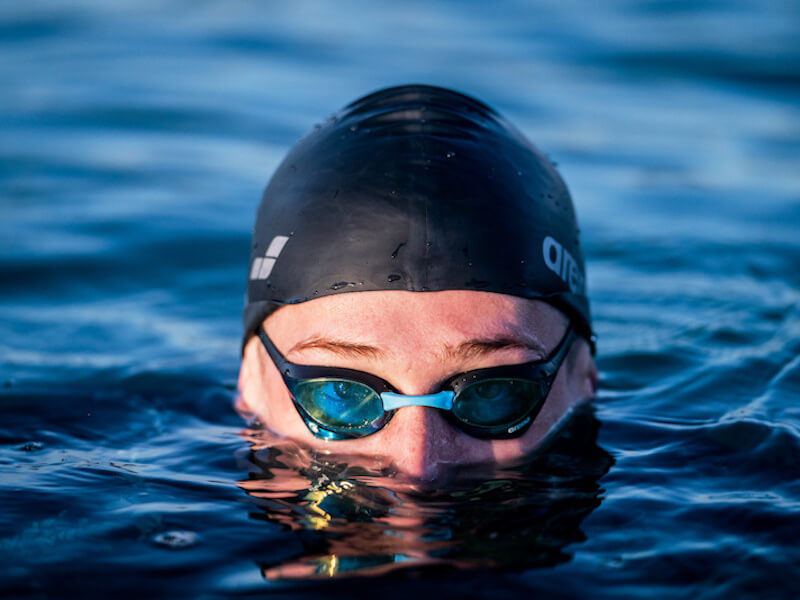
(421, 443)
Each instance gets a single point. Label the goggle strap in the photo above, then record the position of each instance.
(443, 400)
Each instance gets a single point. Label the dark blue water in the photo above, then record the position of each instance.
(135, 139)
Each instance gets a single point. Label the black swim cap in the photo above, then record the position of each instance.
(415, 188)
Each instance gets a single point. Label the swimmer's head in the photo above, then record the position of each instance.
(413, 237)
(415, 188)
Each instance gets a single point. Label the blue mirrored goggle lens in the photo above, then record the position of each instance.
(496, 402)
(339, 404)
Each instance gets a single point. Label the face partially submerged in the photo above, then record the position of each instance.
(416, 341)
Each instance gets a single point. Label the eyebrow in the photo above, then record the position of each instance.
(340, 347)
(474, 348)
(481, 347)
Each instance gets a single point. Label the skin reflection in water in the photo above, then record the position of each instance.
(357, 520)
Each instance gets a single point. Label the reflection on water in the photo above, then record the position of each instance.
(354, 521)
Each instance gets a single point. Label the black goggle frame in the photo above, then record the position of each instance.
(541, 373)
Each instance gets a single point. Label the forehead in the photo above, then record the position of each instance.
(451, 316)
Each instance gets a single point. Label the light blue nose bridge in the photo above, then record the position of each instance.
(443, 400)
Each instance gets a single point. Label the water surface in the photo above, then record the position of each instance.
(136, 139)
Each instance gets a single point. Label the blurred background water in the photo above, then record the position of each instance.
(135, 140)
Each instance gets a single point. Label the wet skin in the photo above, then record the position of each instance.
(415, 340)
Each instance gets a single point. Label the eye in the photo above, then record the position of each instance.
(349, 391)
(339, 402)
(490, 390)
(344, 400)
(496, 402)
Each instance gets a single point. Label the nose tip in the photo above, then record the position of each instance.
(421, 443)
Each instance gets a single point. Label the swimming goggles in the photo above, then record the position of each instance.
(495, 403)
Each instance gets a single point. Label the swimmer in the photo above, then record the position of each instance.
(416, 289)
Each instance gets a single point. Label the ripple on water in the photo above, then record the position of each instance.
(176, 539)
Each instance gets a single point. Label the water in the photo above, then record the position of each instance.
(135, 141)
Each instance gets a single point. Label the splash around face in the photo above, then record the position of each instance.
(415, 341)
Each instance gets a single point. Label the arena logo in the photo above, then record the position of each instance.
(561, 262)
(262, 267)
